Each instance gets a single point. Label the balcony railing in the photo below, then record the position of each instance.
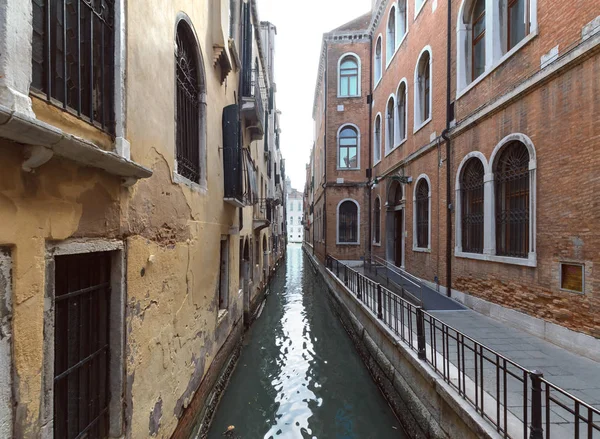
(253, 107)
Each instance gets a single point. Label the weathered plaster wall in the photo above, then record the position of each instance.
(6, 408)
(58, 201)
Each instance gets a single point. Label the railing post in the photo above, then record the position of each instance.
(358, 282)
(536, 431)
(421, 334)
(379, 302)
(346, 275)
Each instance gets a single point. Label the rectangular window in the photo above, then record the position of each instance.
(517, 23)
(73, 57)
(82, 305)
(224, 274)
(571, 277)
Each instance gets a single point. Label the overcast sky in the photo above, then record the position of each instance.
(300, 27)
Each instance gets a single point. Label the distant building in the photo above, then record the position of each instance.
(295, 214)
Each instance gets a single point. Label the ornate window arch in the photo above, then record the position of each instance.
(377, 139)
(190, 106)
(349, 74)
(348, 222)
(423, 86)
(377, 221)
(377, 68)
(348, 141)
(422, 214)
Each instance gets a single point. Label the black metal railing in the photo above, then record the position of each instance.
(519, 403)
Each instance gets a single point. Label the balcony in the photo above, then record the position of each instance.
(263, 214)
(253, 109)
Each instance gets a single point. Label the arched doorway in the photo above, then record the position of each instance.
(394, 225)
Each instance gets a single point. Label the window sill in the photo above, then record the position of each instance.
(505, 57)
(531, 261)
(358, 96)
(419, 127)
(222, 316)
(347, 243)
(421, 250)
(377, 244)
(418, 11)
(347, 169)
(196, 187)
(396, 147)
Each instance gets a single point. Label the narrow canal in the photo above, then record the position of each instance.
(298, 374)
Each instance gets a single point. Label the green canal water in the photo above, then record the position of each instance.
(298, 374)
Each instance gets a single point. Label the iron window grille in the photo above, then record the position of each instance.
(471, 188)
(422, 207)
(512, 201)
(188, 105)
(73, 64)
(81, 345)
(348, 223)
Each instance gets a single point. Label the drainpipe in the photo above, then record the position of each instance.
(325, 145)
(448, 167)
(368, 188)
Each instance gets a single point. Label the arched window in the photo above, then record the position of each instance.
(402, 20)
(348, 75)
(348, 148)
(377, 221)
(377, 139)
(390, 38)
(348, 222)
(512, 200)
(390, 129)
(401, 111)
(471, 198)
(189, 105)
(378, 60)
(422, 213)
(478, 39)
(423, 89)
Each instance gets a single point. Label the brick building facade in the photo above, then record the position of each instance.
(508, 216)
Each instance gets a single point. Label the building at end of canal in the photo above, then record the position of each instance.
(478, 170)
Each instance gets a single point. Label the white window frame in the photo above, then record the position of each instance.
(376, 71)
(419, 4)
(495, 41)
(415, 247)
(389, 145)
(489, 207)
(337, 223)
(418, 123)
(390, 55)
(337, 139)
(401, 36)
(357, 58)
(397, 138)
(377, 141)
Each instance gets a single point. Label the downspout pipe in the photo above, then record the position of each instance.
(448, 147)
(325, 78)
(369, 245)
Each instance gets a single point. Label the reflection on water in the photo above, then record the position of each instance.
(298, 375)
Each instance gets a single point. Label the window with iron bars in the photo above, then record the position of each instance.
(512, 201)
(422, 209)
(73, 65)
(188, 105)
(81, 345)
(348, 222)
(471, 188)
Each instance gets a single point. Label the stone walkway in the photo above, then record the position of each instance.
(573, 373)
